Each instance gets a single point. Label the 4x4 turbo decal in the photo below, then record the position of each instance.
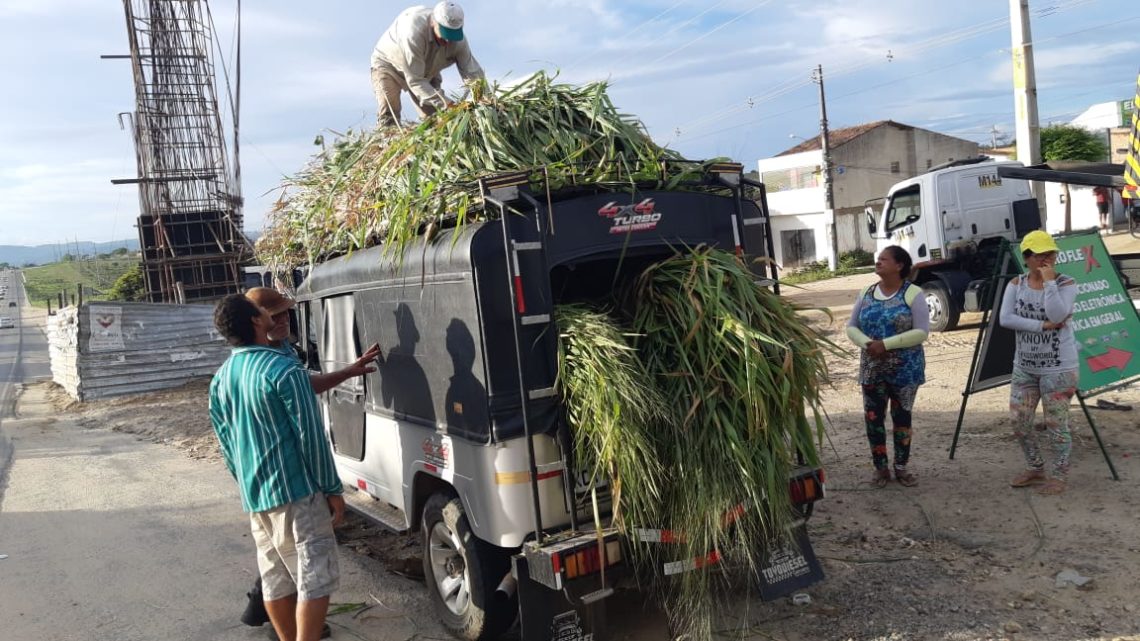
(628, 218)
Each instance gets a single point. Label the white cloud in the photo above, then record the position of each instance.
(1047, 61)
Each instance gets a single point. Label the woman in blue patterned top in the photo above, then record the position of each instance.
(1038, 307)
(889, 322)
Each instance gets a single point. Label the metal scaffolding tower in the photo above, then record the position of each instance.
(189, 199)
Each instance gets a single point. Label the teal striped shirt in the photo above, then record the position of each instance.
(266, 418)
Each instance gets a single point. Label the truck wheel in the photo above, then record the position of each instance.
(462, 573)
(943, 313)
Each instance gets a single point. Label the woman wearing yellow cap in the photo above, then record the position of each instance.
(1037, 307)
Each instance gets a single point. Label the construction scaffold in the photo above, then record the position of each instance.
(190, 201)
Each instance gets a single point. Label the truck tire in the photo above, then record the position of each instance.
(462, 573)
(943, 312)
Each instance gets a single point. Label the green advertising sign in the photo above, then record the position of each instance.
(1105, 323)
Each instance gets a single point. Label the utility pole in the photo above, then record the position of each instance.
(1025, 94)
(828, 189)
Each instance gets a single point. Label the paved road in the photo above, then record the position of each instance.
(106, 537)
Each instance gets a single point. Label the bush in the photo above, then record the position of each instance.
(129, 286)
(856, 258)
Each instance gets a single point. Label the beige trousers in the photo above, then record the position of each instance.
(387, 85)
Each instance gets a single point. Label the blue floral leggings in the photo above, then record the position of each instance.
(1053, 391)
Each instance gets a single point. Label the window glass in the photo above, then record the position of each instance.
(906, 208)
(340, 345)
(794, 178)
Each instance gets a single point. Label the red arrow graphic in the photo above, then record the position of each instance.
(1117, 358)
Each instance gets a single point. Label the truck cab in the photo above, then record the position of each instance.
(952, 220)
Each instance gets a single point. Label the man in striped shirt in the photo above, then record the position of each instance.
(266, 418)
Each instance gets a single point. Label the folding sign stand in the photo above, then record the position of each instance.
(1105, 323)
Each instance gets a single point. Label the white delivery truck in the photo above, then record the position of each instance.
(952, 220)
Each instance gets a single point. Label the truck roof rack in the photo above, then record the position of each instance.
(961, 162)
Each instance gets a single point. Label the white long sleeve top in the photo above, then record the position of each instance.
(1025, 310)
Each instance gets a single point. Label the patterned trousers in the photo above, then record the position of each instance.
(1053, 391)
(876, 397)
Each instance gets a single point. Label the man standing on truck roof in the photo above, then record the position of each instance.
(267, 422)
(412, 53)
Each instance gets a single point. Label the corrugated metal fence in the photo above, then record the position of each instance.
(110, 349)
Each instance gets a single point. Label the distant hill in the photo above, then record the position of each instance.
(40, 254)
(19, 255)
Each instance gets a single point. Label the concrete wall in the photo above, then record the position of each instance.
(110, 349)
(1118, 140)
(866, 162)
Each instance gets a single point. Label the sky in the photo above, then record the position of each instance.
(708, 78)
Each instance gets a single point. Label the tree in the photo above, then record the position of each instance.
(121, 251)
(129, 286)
(68, 258)
(1069, 143)
(1066, 142)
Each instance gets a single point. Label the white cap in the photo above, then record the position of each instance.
(449, 17)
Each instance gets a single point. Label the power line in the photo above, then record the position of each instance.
(710, 32)
(671, 31)
(595, 52)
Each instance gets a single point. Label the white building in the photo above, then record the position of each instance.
(867, 160)
(1106, 115)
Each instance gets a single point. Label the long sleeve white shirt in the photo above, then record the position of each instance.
(1025, 310)
(409, 50)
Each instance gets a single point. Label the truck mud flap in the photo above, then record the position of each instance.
(555, 615)
(787, 569)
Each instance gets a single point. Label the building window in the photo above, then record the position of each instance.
(794, 178)
(894, 166)
(929, 163)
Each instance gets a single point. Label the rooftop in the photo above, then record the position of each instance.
(840, 137)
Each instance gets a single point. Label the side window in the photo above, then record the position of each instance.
(906, 208)
(340, 340)
(308, 314)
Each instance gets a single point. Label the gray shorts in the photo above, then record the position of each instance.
(296, 549)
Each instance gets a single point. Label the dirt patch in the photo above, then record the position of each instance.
(178, 417)
(962, 556)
